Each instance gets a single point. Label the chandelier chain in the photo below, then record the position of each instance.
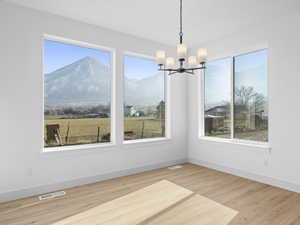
(181, 33)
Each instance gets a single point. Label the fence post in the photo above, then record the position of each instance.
(67, 135)
(98, 135)
(143, 126)
(163, 127)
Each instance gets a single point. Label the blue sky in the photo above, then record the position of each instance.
(250, 60)
(139, 68)
(58, 55)
(251, 70)
(217, 81)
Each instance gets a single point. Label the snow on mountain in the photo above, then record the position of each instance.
(87, 82)
(147, 91)
(84, 82)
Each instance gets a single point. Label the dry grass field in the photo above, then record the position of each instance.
(251, 135)
(85, 130)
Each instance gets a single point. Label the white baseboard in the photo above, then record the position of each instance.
(22, 193)
(259, 178)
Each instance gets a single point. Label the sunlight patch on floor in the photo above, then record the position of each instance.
(162, 203)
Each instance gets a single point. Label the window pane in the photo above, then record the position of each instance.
(217, 98)
(77, 87)
(144, 103)
(251, 112)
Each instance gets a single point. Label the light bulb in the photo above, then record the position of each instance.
(181, 51)
(192, 61)
(170, 62)
(160, 57)
(202, 54)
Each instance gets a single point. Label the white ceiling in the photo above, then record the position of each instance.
(158, 19)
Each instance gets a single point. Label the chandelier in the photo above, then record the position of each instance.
(187, 64)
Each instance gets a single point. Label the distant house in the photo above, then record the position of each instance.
(127, 110)
(215, 118)
(245, 118)
(213, 123)
(130, 111)
(133, 111)
(218, 111)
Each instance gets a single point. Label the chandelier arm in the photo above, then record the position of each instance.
(172, 72)
(187, 70)
(197, 68)
(169, 70)
(190, 72)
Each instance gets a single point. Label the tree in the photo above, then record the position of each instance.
(243, 95)
(246, 97)
(161, 110)
(259, 102)
(69, 111)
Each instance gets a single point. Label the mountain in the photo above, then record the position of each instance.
(87, 82)
(147, 91)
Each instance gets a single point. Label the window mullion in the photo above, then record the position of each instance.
(202, 80)
(232, 100)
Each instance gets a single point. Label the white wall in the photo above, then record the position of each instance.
(281, 167)
(22, 165)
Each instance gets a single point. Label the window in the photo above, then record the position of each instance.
(144, 99)
(77, 94)
(235, 91)
(217, 98)
(250, 96)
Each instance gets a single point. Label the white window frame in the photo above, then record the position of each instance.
(232, 139)
(167, 99)
(112, 52)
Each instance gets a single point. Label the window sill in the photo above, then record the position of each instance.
(254, 144)
(77, 147)
(126, 144)
(147, 141)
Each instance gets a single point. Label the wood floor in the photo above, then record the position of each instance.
(256, 203)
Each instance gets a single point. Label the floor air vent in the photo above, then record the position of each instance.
(175, 167)
(52, 195)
